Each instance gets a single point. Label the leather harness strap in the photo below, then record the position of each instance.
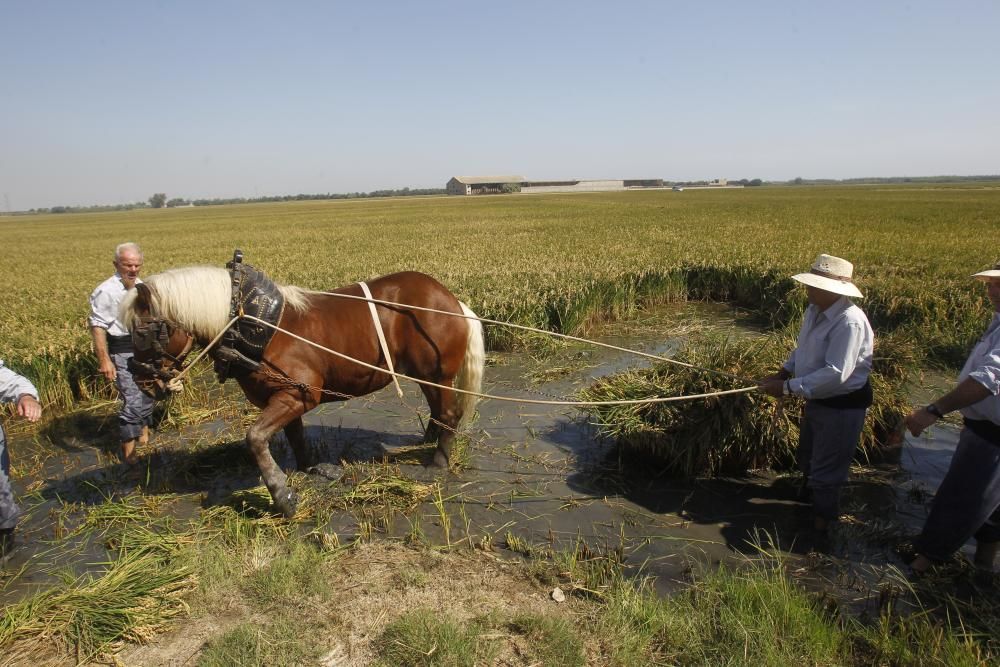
(381, 336)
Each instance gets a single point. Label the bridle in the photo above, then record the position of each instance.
(153, 334)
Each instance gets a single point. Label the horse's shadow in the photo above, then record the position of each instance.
(218, 469)
(83, 431)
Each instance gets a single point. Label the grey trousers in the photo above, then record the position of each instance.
(827, 440)
(137, 408)
(9, 511)
(967, 503)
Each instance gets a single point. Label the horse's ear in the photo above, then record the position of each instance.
(144, 295)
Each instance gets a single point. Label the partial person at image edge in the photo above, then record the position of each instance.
(967, 503)
(13, 389)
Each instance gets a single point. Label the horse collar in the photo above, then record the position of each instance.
(253, 293)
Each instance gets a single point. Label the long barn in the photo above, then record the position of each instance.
(483, 185)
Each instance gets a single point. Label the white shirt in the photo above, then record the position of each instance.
(983, 366)
(104, 305)
(833, 355)
(13, 386)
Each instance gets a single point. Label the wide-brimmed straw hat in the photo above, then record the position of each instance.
(988, 273)
(831, 274)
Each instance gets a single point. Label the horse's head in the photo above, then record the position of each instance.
(160, 345)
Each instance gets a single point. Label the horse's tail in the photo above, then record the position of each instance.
(470, 376)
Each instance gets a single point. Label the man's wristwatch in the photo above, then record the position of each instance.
(934, 410)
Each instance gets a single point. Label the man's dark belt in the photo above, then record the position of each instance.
(986, 430)
(119, 344)
(857, 399)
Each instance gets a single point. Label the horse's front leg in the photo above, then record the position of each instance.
(280, 410)
(295, 433)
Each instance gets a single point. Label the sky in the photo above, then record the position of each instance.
(109, 102)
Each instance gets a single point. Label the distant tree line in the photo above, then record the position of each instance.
(885, 180)
(159, 200)
(404, 192)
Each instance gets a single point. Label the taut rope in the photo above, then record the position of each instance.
(637, 401)
(175, 383)
(533, 329)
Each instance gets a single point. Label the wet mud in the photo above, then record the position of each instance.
(536, 476)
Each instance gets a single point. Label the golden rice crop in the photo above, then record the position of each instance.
(556, 261)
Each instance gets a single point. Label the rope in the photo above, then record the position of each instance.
(541, 331)
(637, 401)
(175, 384)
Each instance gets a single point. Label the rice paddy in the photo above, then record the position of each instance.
(560, 262)
(555, 261)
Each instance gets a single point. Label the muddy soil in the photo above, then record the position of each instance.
(536, 476)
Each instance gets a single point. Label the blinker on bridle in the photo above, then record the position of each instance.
(154, 334)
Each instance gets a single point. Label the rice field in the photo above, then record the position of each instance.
(556, 261)
(561, 262)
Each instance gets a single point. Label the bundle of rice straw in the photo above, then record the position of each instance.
(730, 435)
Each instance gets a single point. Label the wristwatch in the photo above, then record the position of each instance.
(934, 410)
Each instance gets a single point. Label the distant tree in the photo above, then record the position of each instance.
(158, 200)
(510, 187)
(755, 182)
(176, 201)
(797, 180)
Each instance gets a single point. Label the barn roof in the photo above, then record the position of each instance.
(479, 180)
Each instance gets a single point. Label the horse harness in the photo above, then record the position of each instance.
(153, 334)
(242, 346)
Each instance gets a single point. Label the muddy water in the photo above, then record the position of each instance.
(537, 476)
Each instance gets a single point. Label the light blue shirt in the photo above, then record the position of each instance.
(104, 305)
(983, 366)
(13, 386)
(833, 355)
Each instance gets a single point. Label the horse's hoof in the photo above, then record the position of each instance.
(326, 470)
(286, 502)
(440, 460)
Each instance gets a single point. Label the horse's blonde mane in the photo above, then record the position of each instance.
(197, 299)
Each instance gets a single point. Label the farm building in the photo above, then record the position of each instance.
(483, 185)
(479, 185)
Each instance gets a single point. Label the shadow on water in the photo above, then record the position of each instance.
(538, 473)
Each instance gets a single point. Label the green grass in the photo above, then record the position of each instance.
(260, 645)
(426, 638)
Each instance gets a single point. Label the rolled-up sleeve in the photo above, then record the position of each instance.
(987, 372)
(13, 386)
(102, 309)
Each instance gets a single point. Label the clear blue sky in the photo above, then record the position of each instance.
(111, 101)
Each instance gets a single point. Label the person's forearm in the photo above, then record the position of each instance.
(967, 392)
(100, 337)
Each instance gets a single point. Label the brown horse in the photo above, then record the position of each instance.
(169, 309)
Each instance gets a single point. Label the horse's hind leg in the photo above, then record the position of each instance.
(444, 419)
(295, 433)
(279, 412)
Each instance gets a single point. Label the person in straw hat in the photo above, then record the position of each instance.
(829, 368)
(967, 504)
